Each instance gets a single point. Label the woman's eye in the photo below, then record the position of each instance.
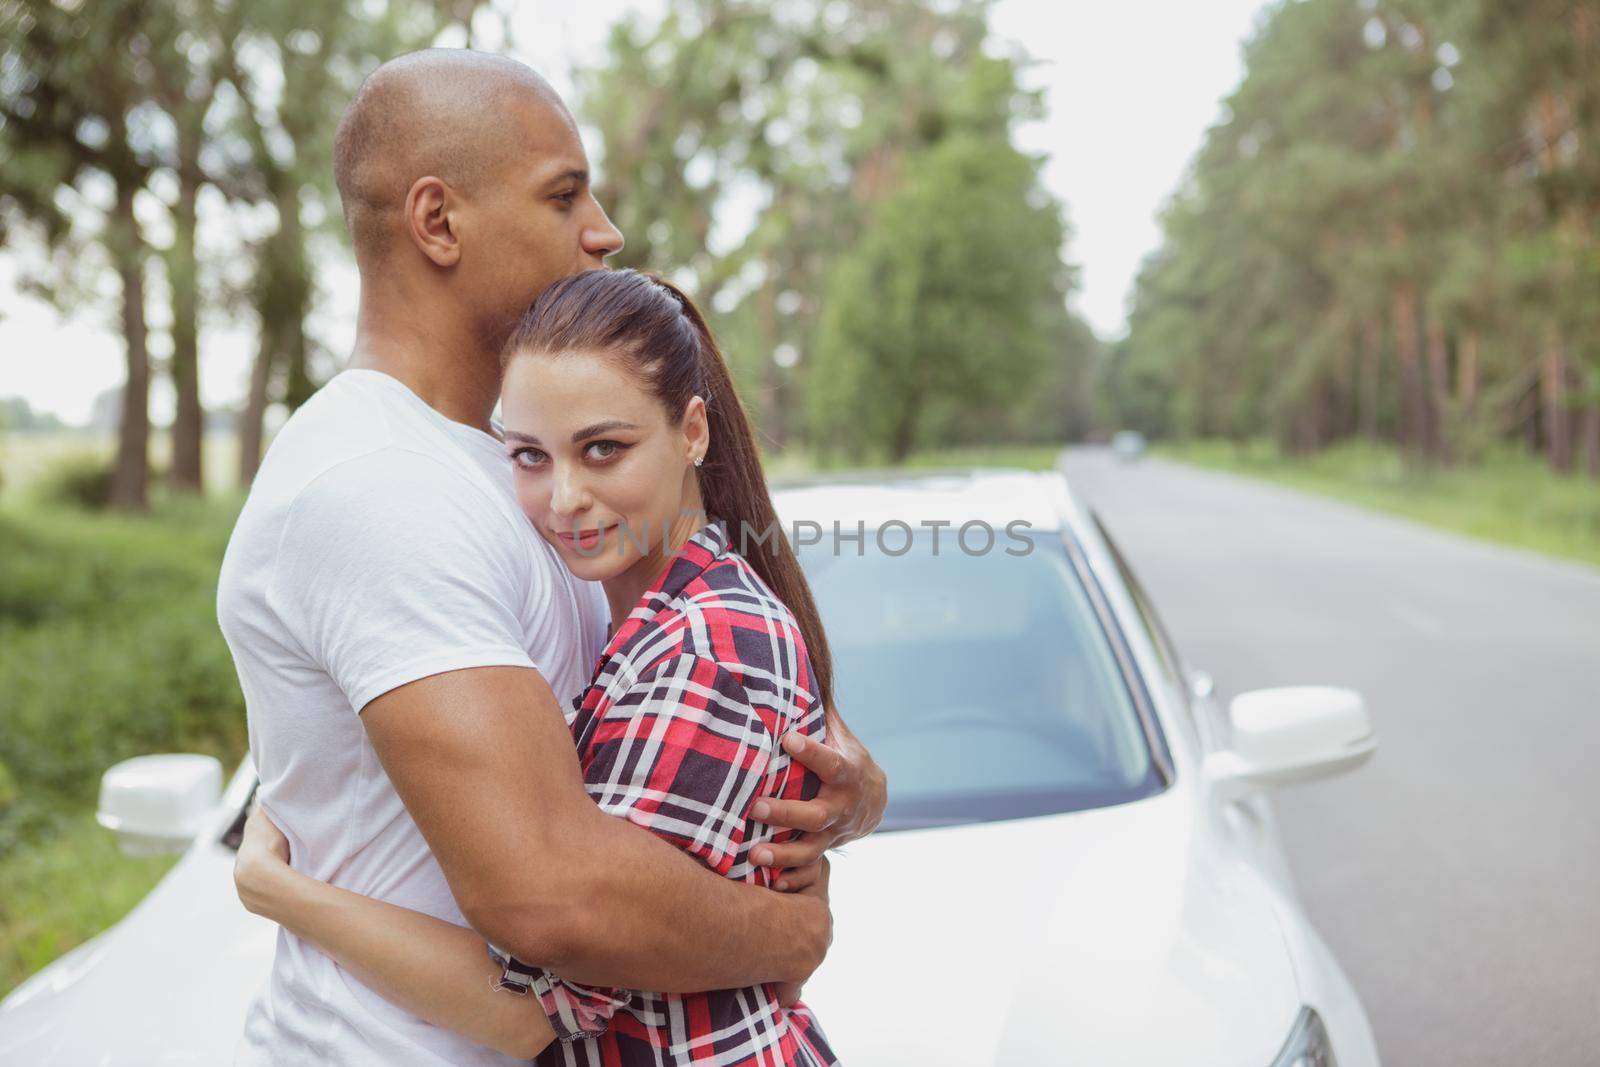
(603, 449)
(527, 457)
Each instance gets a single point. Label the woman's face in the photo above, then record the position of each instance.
(605, 475)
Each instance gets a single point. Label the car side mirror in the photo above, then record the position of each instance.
(1291, 734)
(157, 804)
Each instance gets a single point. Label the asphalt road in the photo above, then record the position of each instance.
(1457, 875)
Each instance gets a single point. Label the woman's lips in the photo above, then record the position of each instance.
(584, 540)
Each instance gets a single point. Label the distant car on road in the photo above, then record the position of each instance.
(1128, 444)
(1079, 864)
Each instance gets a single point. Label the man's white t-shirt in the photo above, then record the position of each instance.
(381, 543)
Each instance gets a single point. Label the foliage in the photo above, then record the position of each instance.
(747, 149)
(117, 119)
(935, 315)
(109, 648)
(17, 415)
(81, 481)
(1389, 234)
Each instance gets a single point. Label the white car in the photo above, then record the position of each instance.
(1128, 444)
(1079, 864)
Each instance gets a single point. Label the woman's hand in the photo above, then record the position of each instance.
(848, 807)
(811, 879)
(261, 866)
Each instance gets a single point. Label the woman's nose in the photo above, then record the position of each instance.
(567, 495)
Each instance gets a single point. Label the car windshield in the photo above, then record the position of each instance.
(984, 685)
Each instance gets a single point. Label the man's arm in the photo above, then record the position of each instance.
(484, 763)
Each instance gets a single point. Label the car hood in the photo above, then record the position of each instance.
(1122, 935)
(169, 984)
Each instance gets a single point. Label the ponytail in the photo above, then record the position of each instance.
(734, 488)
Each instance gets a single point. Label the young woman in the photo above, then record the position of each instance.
(636, 461)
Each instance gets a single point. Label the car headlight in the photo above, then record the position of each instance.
(1308, 1044)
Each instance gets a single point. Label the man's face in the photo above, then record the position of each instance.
(535, 221)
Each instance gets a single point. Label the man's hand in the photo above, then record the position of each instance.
(848, 807)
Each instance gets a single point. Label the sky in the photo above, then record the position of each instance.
(1130, 89)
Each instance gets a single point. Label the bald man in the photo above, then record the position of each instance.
(406, 643)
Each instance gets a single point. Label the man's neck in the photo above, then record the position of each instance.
(446, 366)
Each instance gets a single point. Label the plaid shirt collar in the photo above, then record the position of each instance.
(698, 553)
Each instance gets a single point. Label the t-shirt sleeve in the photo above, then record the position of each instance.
(393, 567)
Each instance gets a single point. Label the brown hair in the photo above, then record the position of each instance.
(652, 326)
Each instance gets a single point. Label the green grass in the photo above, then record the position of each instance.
(1511, 497)
(109, 648)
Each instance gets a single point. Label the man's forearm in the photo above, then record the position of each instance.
(638, 913)
(484, 762)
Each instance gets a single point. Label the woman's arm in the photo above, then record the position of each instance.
(433, 969)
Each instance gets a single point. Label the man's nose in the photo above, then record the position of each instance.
(601, 238)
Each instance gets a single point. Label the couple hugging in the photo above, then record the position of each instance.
(480, 846)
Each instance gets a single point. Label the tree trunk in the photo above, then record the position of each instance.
(1438, 390)
(1371, 385)
(131, 477)
(1467, 373)
(297, 351)
(283, 300)
(1553, 397)
(1412, 432)
(903, 434)
(252, 419)
(296, 306)
(188, 427)
(1590, 436)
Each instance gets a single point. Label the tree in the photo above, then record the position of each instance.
(72, 121)
(1390, 233)
(743, 148)
(936, 313)
(191, 41)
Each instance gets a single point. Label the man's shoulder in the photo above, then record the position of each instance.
(350, 417)
(361, 440)
(342, 478)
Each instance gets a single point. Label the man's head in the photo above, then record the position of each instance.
(463, 180)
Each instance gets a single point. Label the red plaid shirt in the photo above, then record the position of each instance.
(679, 734)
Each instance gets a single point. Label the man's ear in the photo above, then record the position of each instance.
(430, 206)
